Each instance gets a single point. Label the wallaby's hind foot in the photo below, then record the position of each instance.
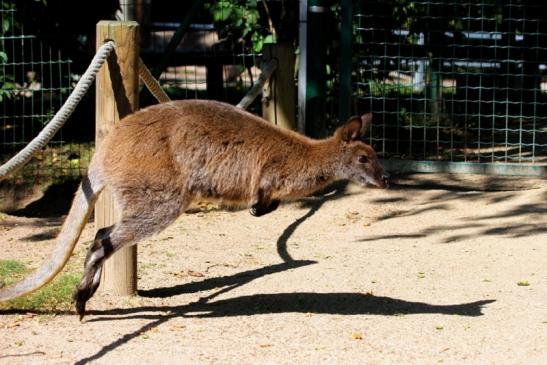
(99, 251)
(79, 303)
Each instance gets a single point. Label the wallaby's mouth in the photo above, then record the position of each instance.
(381, 183)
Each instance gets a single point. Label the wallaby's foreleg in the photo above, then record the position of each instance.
(263, 204)
(262, 208)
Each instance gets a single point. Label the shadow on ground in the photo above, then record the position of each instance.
(321, 303)
(525, 219)
(303, 302)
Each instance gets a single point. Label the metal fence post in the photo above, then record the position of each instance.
(117, 96)
(316, 69)
(346, 38)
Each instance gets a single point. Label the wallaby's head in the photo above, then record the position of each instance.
(358, 161)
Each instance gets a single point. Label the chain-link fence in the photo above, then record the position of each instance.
(454, 81)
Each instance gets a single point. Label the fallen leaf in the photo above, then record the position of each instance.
(176, 327)
(195, 274)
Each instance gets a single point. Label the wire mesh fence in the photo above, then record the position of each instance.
(201, 66)
(454, 81)
(34, 82)
(196, 48)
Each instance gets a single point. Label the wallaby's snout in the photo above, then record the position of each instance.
(381, 178)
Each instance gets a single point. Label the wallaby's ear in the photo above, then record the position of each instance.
(367, 121)
(353, 128)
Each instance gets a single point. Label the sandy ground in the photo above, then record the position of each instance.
(423, 273)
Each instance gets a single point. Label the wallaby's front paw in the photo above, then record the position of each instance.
(254, 212)
(258, 210)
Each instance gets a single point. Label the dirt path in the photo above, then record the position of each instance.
(422, 273)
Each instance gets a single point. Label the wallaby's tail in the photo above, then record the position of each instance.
(81, 209)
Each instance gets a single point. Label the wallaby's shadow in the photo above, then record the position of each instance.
(332, 192)
(229, 281)
(323, 303)
(330, 303)
(319, 303)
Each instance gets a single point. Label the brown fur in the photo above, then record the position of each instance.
(158, 160)
(213, 150)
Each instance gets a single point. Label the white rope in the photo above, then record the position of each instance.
(62, 115)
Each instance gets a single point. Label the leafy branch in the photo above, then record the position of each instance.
(240, 21)
(7, 83)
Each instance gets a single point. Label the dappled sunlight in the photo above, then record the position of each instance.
(505, 213)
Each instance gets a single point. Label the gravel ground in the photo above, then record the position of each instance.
(426, 272)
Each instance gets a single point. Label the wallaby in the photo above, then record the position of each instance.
(161, 158)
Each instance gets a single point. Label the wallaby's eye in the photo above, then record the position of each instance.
(363, 159)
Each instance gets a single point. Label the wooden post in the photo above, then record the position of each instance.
(279, 103)
(117, 86)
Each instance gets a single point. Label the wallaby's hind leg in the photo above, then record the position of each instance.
(141, 222)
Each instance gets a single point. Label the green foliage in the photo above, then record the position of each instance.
(7, 84)
(240, 21)
(56, 295)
